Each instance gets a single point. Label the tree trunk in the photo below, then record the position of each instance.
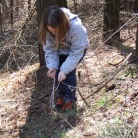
(17, 7)
(1, 18)
(11, 13)
(111, 18)
(41, 6)
(137, 37)
(29, 5)
(75, 6)
(135, 6)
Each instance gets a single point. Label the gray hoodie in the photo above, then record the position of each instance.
(77, 41)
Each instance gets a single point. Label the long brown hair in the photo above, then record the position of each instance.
(56, 18)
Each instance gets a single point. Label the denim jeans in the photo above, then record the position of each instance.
(68, 93)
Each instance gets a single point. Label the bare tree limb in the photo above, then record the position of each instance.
(124, 63)
(20, 30)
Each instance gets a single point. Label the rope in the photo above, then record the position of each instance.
(52, 97)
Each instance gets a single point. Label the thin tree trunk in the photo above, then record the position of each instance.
(137, 37)
(111, 18)
(135, 6)
(1, 18)
(29, 5)
(11, 8)
(17, 7)
(40, 9)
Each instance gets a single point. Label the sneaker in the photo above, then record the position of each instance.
(67, 106)
(60, 103)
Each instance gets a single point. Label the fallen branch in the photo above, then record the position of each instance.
(66, 121)
(9, 101)
(116, 64)
(79, 75)
(83, 98)
(124, 63)
(108, 101)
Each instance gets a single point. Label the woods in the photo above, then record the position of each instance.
(107, 77)
(111, 18)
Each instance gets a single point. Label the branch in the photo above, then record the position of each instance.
(19, 31)
(83, 98)
(66, 121)
(116, 64)
(124, 63)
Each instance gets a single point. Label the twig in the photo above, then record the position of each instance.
(111, 77)
(66, 121)
(19, 31)
(109, 101)
(113, 98)
(83, 98)
(16, 35)
(116, 64)
(6, 101)
(127, 134)
(110, 37)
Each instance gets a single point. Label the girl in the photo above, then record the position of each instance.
(65, 41)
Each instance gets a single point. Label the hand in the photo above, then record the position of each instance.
(51, 73)
(61, 76)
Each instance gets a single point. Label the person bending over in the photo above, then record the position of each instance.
(65, 41)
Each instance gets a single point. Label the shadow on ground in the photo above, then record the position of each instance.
(124, 50)
(40, 123)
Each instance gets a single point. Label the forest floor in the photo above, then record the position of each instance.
(107, 92)
(112, 111)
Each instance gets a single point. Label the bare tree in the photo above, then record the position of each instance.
(137, 37)
(11, 13)
(135, 6)
(17, 7)
(29, 5)
(111, 17)
(1, 18)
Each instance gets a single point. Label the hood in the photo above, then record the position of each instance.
(70, 15)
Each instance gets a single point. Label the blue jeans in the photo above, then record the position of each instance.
(64, 91)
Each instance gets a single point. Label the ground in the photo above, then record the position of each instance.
(107, 89)
(25, 102)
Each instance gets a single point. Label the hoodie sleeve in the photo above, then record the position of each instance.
(51, 55)
(79, 42)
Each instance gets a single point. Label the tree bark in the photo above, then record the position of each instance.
(1, 18)
(135, 6)
(111, 18)
(137, 37)
(11, 13)
(41, 6)
(29, 5)
(17, 7)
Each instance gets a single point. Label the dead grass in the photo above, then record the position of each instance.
(24, 105)
(112, 111)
